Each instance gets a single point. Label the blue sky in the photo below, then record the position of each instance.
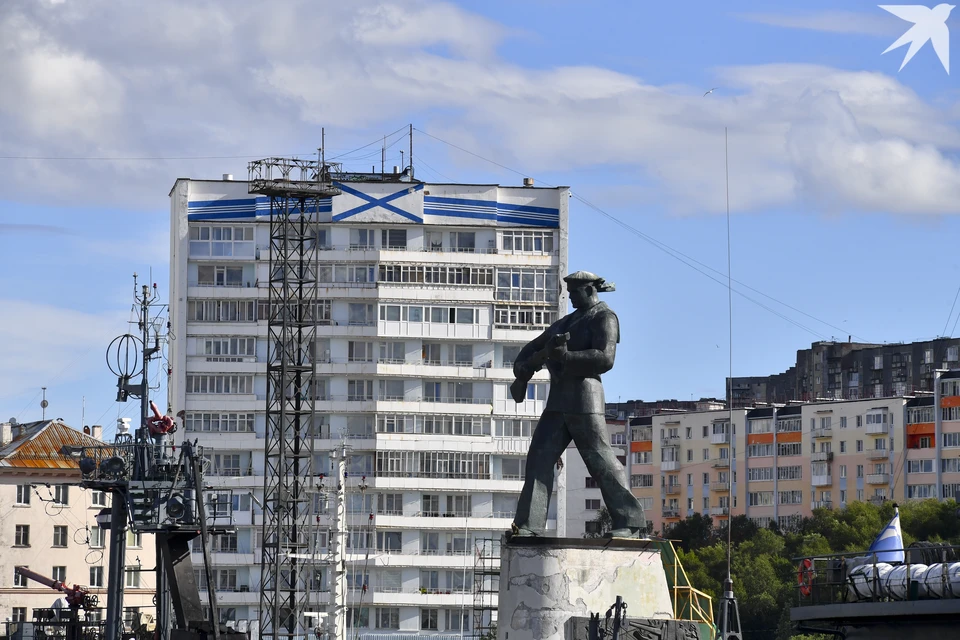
(844, 179)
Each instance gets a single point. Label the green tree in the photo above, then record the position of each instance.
(693, 532)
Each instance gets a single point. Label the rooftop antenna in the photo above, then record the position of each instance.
(43, 404)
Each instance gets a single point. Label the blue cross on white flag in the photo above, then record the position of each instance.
(889, 544)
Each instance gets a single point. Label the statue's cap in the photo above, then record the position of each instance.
(586, 277)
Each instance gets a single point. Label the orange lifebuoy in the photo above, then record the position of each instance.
(805, 575)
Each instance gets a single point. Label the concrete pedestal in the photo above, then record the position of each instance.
(544, 582)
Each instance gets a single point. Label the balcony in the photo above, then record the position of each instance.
(720, 438)
(878, 429)
(826, 432)
(672, 490)
(671, 512)
(642, 435)
(821, 504)
(822, 481)
(722, 463)
(719, 486)
(719, 511)
(821, 456)
(878, 478)
(878, 500)
(672, 441)
(669, 465)
(877, 454)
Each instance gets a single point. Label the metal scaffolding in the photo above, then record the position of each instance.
(295, 188)
(486, 587)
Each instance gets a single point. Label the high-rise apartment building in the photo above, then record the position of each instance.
(851, 370)
(427, 293)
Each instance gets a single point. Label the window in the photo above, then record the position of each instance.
(527, 285)
(229, 349)
(21, 536)
(23, 493)
(224, 311)
(706, 453)
(463, 355)
(19, 580)
(457, 620)
(61, 494)
(99, 498)
(463, 241)
(134, 539)
(358, 390)
(59, 535)
(526, 317)
(359, 314)
(706, 431)
(358, 617)
(59, 574)
(642, 457)
(843, 446)
(859, 446)
(388, 618)
(759, 450)
(760, 474)
(218, 241)
(760, 498)
(362, 238)
(689, 433)
(18, 614)
(389, 541)
(592, 504)
(786, 425)
(212, 422)
(537, 391)
(951, 440)
(428, 619)
(640, 480)
(393, 239)
(527, 241)
(859, 470)
(791, 497)
(96, 576)
(921, 491)
(794, 472)
(219, 384)
(843, 471)
(209, 275)
(689, 455)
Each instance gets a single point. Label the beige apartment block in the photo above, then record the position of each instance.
(48, 524)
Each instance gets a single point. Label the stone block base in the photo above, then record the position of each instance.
(545, 582)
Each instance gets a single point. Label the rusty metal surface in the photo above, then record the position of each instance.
(38, 446)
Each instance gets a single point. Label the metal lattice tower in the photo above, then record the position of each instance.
(295, 188)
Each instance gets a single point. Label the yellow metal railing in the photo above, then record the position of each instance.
(688, 603)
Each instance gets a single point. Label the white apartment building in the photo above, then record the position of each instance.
(48, 524)
(428, 291)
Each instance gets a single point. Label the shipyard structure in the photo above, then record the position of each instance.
(422, 297)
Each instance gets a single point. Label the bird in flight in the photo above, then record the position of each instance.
(709, 92)
(928, 24)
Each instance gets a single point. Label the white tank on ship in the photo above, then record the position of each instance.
(867, 581)
(943, 580)
(897, 583)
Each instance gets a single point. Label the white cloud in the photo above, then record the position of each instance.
(830, 21)
(182, 79)
(42, 343)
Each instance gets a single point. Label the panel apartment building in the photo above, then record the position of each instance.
(428, 292)
(775, 464)
(851, 370)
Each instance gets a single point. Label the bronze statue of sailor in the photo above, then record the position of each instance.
(576, 350)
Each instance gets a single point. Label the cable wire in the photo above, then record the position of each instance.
(950, 315)
(674, 253)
